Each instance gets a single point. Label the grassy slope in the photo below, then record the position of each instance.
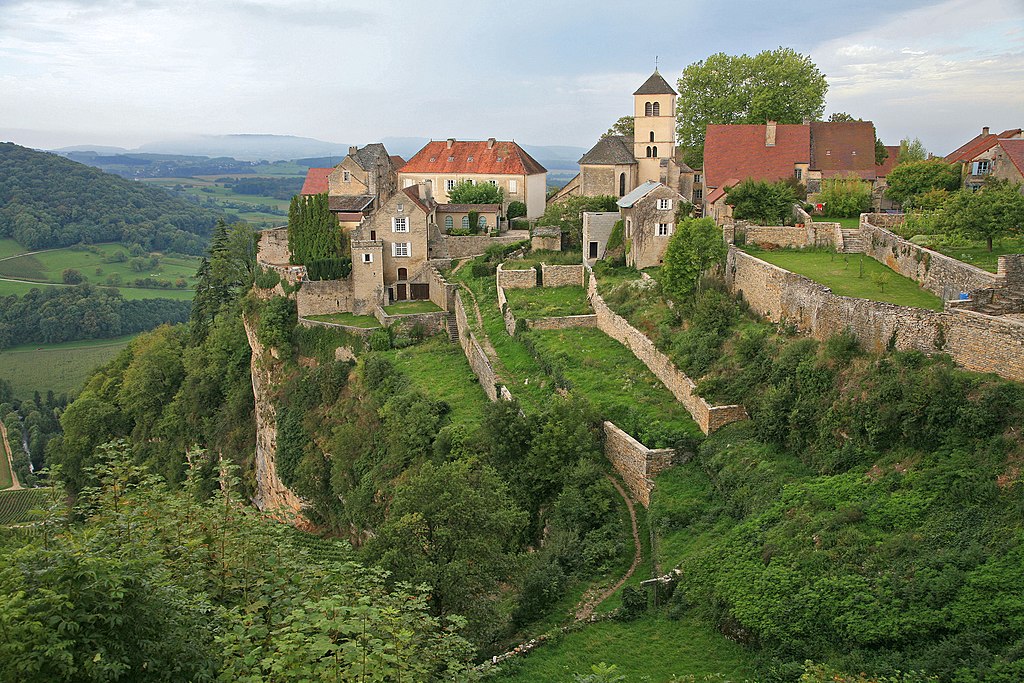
(439, 369)
(60, 367)
(6, 480)
(842, 275)
(977, 253)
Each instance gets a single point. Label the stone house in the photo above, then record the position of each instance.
(977, 157)
(506, 165)
(366, 177)
(456, 217)
(597, 228)
(649, 219)
(389, 248)
(616, 165)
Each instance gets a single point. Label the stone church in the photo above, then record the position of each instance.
(617, 165)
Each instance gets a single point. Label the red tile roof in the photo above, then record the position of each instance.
(503, 158)
(738, 151)
(843, 147)
(978, 145)
(882, 169)
(413, 193)
(397, 161)
(316, 181)
(1015, 152)
(719, 192)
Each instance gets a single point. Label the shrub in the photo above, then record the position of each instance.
(267, 279)
(845, 197)
(634, 603)
(380, 340)
(515, 210)
(483, 269)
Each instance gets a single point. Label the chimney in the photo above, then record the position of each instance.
(451, 141)
(807, 121)
(426, 191)
(769, 134)
(352, 150)
(490, 143)
(984, 130)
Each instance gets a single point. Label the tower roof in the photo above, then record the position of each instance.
(609, 150)
(655, 85)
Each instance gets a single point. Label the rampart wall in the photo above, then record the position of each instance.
(635, 462)
(476, 356)
(273, 246)
(977, 342)
(351, 329)
(562, 276)
(709, 418)
(516, 279)
(319, 297)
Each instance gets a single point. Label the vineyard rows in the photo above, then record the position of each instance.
(16, 506)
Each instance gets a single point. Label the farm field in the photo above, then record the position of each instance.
(842, 273)
(60, 367)
(16, 506)
(255, 209)
(100, 264)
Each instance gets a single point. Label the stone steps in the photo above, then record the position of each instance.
(852, 242)
(453, 328)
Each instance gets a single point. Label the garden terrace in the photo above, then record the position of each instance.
(552, 258)
(853, 275)
(412, 307)
(976, 252)
(545, 302)
(347, 319)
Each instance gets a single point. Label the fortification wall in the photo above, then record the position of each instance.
(709, 418)
(442, 293)
(977, 342)
(561, 276)
(273, 247)
(941, 275)
(449, 246)
(516, 279)
(432, 323)
(360, 331)
(635, 462)
(319, 297)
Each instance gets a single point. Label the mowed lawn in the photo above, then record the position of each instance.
(60, 367)
(978, 255)
(842, 273)
(651, 649)
(543, 302)
(440, 370)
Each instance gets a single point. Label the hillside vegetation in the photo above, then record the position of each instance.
(49, 201)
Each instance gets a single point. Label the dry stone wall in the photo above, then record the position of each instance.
(810, 235)
(432, 323)
(442, 293)
(709, 418)
(561, 276)
(319, 297)
(475, 354)
(941, 275)
(448, 246)
(564, 322)
(516, 279)
(977, 342)
(351, 329)
(273, 247)
(635, 462)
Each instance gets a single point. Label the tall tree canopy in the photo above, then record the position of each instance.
(780, 85)
(911, 179)
(624, 126)
(994, 211)
(313, 231)
(468, 192)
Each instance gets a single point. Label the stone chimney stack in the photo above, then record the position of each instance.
(984, 130)
(426, 190)
(451, 141)
(769, 134)
(352, 150)
(490, 143)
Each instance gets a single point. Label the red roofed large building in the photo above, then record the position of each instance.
(977, 157)
(443, 163)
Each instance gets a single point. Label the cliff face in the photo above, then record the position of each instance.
(271, 493)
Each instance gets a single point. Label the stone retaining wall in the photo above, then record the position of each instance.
(449, 246)
(516, 279)
(709, 418)
(635, 462)
(442, 293)
(977, 342)
(360, 331)
(433, 323)
(318, 297)
(564, 322)
(561, 276)
(478, 360)
(506, 310)
(810, 235)
(941, 275)
(273, 246)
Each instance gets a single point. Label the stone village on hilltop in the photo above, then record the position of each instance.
(399, 222)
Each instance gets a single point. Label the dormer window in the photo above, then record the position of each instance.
(499, 160)
(433, 159)
(346, 176)
(451, 158)
(828, 152)
(854, 152)
(400, 207)
(468, 159)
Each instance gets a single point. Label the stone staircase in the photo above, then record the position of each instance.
(852, 242)
(1005, 304)
(453, 328)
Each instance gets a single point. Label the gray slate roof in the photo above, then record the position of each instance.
(613, 149)
(349, 203)
(637, 194)
(655, 85)
(371, 155)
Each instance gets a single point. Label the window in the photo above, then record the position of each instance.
(697, 177)
(465, 222)
(493, 182)
(513, 186)
(449, 184)
(698, 193)
(799, 173)
(622, 184)
(655, 151)
(482, 223)
(400, 224)
(828, 152)
(407, 182)
(648, 109)
(399, 249)
(401, 207)
(367, 258)
(980, 167)
(346, 176)
(448, 223)
(663, 229)
(664, 204)
(648, 150)
(451, 159)
(657, 108)
(469, 159)
(652, 136)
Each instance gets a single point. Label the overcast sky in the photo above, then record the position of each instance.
(126, 72)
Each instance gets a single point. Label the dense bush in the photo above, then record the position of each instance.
(845, 197)
(515, 210)
(329, 268)
(762, 202)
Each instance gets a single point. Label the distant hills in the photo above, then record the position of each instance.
(251, 148)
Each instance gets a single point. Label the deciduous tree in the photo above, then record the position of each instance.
(696, 246)
(910, 179)
(994, 211)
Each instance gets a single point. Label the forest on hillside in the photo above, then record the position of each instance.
(49, 201)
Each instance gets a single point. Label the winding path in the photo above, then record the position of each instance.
(589, 603)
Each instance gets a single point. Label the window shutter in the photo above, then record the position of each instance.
(394, 248)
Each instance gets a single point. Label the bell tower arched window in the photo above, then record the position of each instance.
(657, 109)
(652, 136)
(622, 184)
(648, 150)
(654, 151)
(648, 109)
